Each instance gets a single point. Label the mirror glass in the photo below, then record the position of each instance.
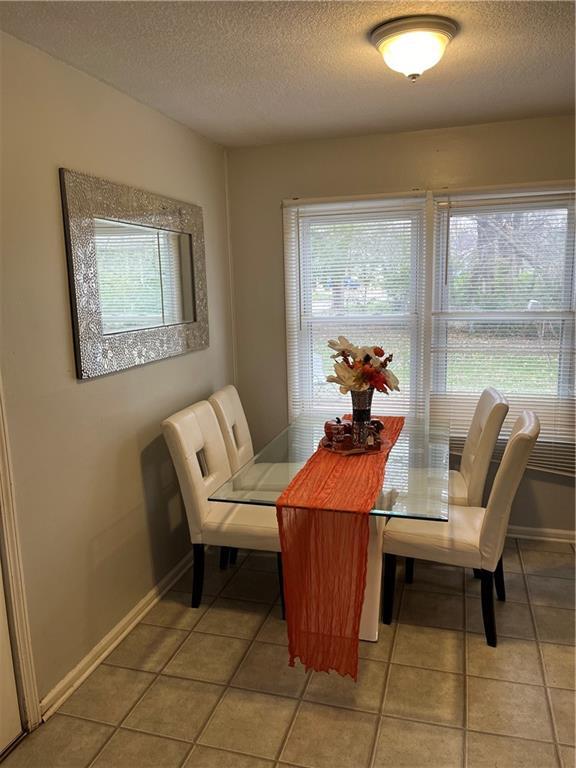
(145, 276)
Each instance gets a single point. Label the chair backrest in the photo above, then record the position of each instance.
(232, 419)
(199, 455)
(520, 444)
(483, 433)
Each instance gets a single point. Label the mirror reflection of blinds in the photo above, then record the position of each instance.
(353, 270)
(504, 314)
(144, 276)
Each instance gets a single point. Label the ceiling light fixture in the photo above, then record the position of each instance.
(413, 44)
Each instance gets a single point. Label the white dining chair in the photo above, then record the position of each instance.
(473, 537)
(199, 455)
(466, 485)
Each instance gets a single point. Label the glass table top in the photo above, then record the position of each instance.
(415, 482)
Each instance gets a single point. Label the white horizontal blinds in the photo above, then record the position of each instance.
(141, 276)
(504, 314)
(354, 270)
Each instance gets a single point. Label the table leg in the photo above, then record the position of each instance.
(370, 619)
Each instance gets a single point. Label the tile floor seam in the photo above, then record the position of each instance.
(139, 699)
(227, 687)
(374, 750)
(555, 735)
(290, 728)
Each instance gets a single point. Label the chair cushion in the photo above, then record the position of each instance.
(455, 542)
(249, 526)
(457, 488)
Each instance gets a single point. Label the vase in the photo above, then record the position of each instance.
(361, 414)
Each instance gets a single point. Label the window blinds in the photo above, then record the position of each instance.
(353, 270)
(491, 303)
(503, 314)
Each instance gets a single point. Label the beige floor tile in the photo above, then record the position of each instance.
(556, 593)
(514, 583)
(236, 618)
(107, 694)
(423, 694)
(254, 723)
(211, 658)
(147, 648)
(207, 757)
(174, 610)
(563, 709)
(175, 708)
(434, 577)
(515, 660)
(432, 610)
(62, 742)
(380, 650)
(559, 665)
(266, 668)
(128, 749)
(512, 619)
(261, 561)
(488, 751)
(441, 649)
(404, 744)
(555, 625)
(545, 546)
(509, 709)
(568, 757)
(365, 693)
(511, 560)
(326, 737)
(253, 585)
(549, 564)
(274, 629)
(214, 580)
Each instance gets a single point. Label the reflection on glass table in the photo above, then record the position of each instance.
(415, 482)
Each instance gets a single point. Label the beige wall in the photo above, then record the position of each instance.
(260, 178)
(99, 519)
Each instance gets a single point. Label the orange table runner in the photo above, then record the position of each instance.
(324, 551)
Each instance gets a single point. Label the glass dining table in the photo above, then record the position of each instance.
(415, 486)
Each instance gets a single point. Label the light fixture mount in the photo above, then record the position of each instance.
(413, 44)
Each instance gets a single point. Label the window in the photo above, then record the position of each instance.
(503, 313)
(352, 270)
(490, 304)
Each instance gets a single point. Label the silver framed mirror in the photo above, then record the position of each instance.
(136, 272)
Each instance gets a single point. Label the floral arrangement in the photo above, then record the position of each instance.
(360, 368)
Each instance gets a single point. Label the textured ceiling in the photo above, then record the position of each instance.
(260, 72)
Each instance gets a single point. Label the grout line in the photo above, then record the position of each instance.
(542, 664)
(374, 750)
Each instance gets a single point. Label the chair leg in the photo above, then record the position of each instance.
(409, 570)
(477, 573)
(388, 588)
(197, 575)
(224, 557)
(233, 555)
(487, 589)
(499, 582)
(281, 581)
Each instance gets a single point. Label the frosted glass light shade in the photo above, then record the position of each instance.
(413, 45)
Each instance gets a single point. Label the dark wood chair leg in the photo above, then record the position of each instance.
(409, 570)
(499, 582)
(233, 555)
(197, 575)
(224, 557)
(281, 582)
(388, 588)
(487, 589)
(477, 573)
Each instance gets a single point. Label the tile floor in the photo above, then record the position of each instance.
(211, 688)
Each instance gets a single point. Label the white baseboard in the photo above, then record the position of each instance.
(545, 534)
(66, 687)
